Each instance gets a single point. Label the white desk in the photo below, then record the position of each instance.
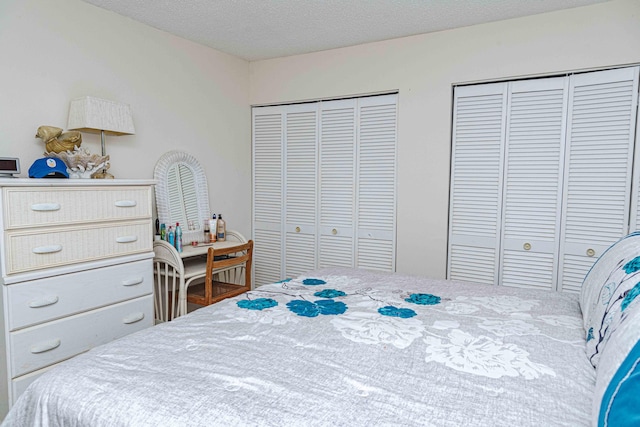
(186, 266)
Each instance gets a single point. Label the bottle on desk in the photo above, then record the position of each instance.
(213, 227)
(171, 238)
(163, 232)
(178, 237)
(221, 229)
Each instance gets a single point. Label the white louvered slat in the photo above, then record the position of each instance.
(300, 206)
(600, 138)
(299, 253)
(476, 182)
(267, 194)
(472, 264)
(337, 182)
(267, 257)
(376, 181)
(533, 182)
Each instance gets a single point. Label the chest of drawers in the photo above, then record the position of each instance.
(76, 264)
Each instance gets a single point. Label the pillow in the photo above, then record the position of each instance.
(608, 289)
(618, 374)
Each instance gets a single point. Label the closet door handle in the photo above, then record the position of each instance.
(527, 246)
(591, 252)
(126, 203)
(133, 282)
(133, 318)
(45, 207)
(44, 302)
(126, 239)
(334, 231)
(45, 346)
(47, 249)
(297, 229)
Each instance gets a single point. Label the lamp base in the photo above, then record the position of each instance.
(102, 175)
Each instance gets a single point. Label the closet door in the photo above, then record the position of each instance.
(268, 137)
(534, 157)
(602, 117)
(376, 183)
(336, 244)
(476, 182)
(300, 198)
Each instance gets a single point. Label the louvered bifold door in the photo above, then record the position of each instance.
(376, 183)
(532, 197)
(300, 206)
(268, 125)
(476, 182)
(337, 169)
(600, 138)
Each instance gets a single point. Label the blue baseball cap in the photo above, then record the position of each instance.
(48, 167)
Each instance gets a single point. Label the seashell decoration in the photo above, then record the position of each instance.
(80, 163)
(57, 141)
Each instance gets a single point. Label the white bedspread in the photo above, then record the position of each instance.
(348, 348)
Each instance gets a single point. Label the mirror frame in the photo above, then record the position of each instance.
(161, 175)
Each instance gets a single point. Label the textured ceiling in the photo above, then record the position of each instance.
(262, 29)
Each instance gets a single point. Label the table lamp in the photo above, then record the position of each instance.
(89, 114)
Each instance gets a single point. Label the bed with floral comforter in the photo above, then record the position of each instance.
(338, 347)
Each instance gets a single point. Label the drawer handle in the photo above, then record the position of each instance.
(45, 207)
(133, 282)
(126, 203)
(45, 346)
(43, 302)
(47, 249)
(133, 318)
(126, 239)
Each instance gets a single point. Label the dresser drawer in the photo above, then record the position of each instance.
(41, 206)
(43, 345)
(20, 384)
(32, 249)
(39, 301)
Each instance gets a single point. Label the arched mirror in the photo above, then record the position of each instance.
(182, 194)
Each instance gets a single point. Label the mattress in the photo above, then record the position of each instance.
(336, 347)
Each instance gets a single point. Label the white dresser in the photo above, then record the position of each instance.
(76, 261)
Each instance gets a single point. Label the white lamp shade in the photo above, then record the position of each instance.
(91, 114)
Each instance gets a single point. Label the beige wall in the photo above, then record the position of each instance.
(423, 69)
(183, 95)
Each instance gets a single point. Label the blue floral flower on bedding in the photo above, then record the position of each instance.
(313, 309)
(288, 279)
(313, 282)
(630, 296)
(257, 304)
(632, 266)
(329, 293)
(423, 299)
(590, 334)
(403, 313)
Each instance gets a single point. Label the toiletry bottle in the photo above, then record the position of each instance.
(213, 227)
(206, 231)
(163, 232)
(222, 229)
(178, 237)
(171, 237)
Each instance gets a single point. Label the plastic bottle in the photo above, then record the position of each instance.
(213, 229)
(178, 237)
(163, 232)
(222, 229)
(206, 231)
(171, 238)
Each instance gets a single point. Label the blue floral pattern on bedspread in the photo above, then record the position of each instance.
(399, 318)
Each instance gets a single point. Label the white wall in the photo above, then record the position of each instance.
(423, 68)
(183, 95)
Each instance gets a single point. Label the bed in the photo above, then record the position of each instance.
(352, 347)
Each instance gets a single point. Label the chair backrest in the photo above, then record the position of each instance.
(168, 272)
(217, 263)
